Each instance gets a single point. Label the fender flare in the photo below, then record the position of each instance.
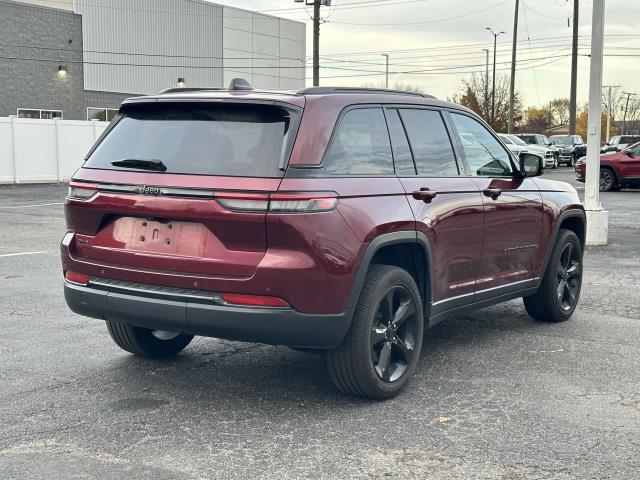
(573, 213)
(384, 240)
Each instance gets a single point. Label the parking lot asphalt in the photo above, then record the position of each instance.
(496, 395)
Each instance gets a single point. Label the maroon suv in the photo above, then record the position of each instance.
(341, 220)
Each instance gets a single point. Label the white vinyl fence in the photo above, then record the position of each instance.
(44, 151)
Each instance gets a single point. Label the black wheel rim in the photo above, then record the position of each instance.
(605, 180)
(569, 276)
(393, 334)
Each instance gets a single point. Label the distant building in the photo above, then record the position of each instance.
(78, 59)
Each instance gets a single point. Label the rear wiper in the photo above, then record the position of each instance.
(141, 163)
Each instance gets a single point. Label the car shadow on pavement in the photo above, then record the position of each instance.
(223, 373)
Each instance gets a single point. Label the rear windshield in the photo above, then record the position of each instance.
(201, 139)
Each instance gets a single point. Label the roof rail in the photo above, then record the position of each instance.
(188, 89)
(330, 90)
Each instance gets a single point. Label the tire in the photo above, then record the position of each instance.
(376, 360)
(564, 272)
(607, 180)
(145, 342)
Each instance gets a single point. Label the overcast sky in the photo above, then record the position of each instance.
(434, 26)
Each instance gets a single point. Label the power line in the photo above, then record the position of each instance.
(424, 22)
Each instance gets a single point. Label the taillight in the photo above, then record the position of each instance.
(81, 191)
(253, 300)
(310, 202)
(243, 202)
(77, 278)
(302, 202)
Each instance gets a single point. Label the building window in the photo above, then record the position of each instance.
(39, 113)
(101, 114)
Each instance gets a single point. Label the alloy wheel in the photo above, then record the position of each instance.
(393, 334)
(606, 180)
(569, 276)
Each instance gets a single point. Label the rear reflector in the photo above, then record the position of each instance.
(253, 300)
(81, 191)
(79, 278)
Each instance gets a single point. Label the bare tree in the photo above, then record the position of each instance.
(472, 95)
(560, 111)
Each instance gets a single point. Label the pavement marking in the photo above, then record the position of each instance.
(22, 254)
(32, 206)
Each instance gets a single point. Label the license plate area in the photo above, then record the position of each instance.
(166, 237)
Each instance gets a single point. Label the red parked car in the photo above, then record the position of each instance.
(617, 170)
(342, 220)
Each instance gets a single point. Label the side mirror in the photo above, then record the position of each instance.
(629, 153)
(530, 165)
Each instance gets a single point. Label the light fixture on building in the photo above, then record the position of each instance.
(181, 83)
(62, 71)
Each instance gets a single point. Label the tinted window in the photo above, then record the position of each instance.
(485, 156)
(529, 138)
(361, 145)
(402, 157)
(432, 150)
(233, 140)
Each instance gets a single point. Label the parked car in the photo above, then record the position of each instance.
(348, 229)
(539, 140)
(617, 170)
(514, 142)
(619, 142)
(571, 148)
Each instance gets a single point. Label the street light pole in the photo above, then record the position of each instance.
(609, 107)
(386, 78)
(493, 88)
(513, 68)
(597, 217)
(486, 82)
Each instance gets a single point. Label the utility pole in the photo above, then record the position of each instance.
(386, 77)
(609, 107)
(574, 70)
(486, 82)
(513, 68)
(549, 119)
(597, 217)
(493, 88)
(316, 35)
(626, 106)
(316, 43)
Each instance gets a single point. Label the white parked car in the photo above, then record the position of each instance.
(517, 145)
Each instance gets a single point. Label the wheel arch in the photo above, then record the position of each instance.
(409, 250)
(574, 220)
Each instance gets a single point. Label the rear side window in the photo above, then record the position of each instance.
(205, 139)
(430, 143)
(402, 157)
(360, 145)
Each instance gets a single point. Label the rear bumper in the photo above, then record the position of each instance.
(276, 326)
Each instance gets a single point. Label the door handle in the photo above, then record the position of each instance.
(492, 192)
(424, 194)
